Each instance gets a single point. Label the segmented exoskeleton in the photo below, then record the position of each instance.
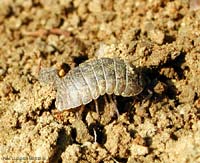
(93, 78)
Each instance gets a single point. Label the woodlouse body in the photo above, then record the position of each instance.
(94, 78)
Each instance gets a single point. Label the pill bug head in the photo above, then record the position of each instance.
(48, 75)
(60, 103)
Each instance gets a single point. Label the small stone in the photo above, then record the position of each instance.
(159, 88)
(6, 89)
(138, 150)
(62, 73)
(95, 6)
(2, 71)
(156, 36)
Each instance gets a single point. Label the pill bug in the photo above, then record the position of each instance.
(92, 79)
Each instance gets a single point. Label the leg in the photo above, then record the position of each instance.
(114, 102)
(79, 113)
(95, 135)
(96, 106)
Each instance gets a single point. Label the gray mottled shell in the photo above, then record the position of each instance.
(94, 78)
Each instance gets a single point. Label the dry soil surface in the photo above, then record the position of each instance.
(160, 125)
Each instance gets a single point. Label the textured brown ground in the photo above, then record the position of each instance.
(163, 37)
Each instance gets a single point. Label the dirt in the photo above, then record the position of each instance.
(160, 125)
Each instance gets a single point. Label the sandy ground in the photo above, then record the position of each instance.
(162, 37)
